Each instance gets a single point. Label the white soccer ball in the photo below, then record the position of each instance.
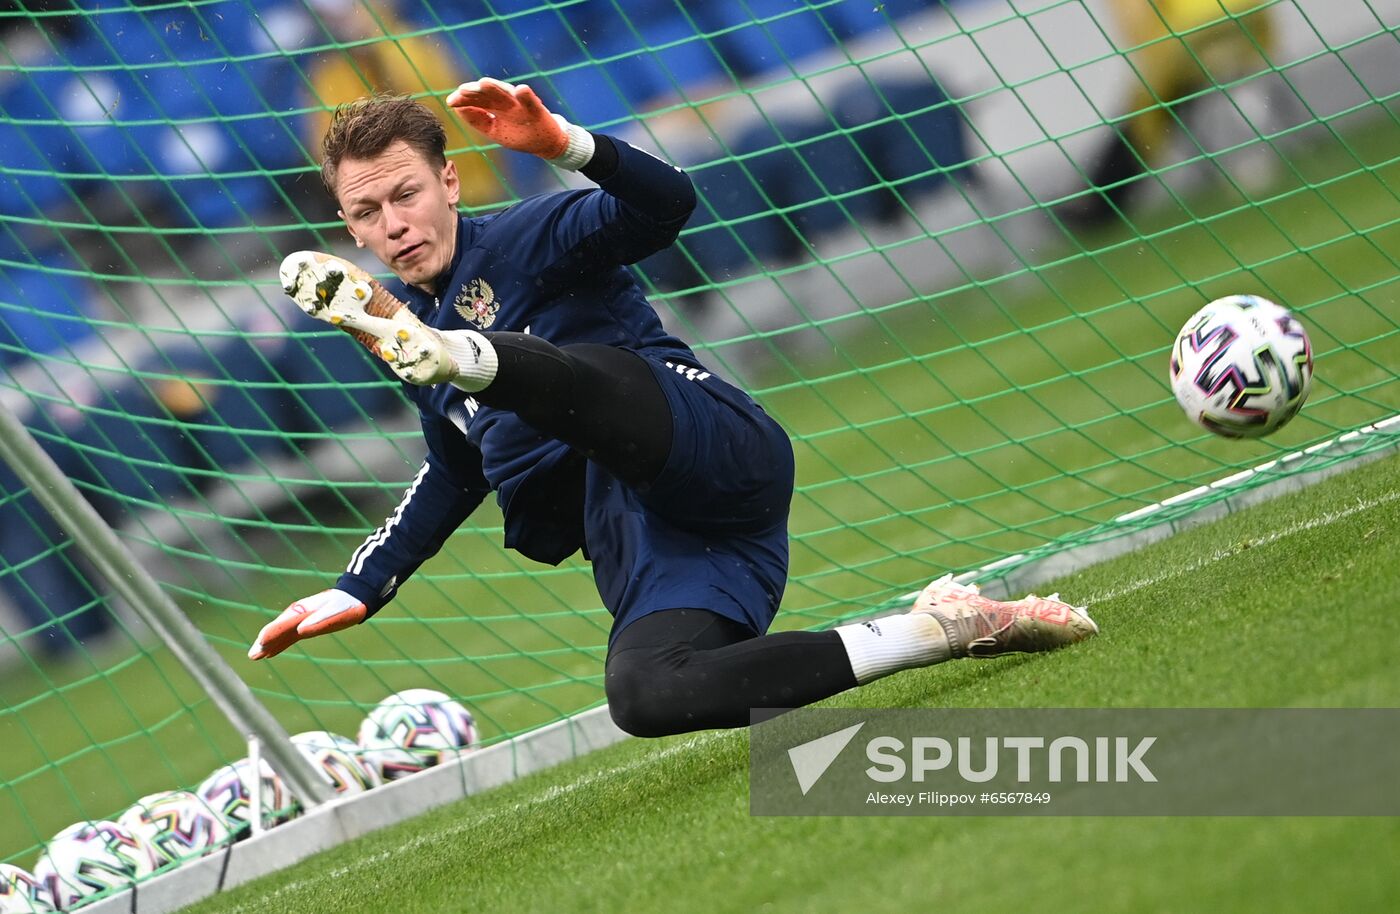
(91, 857)
(175, 826)
(228, 791)
(426, 724)
(338, 759)
(22, 893)
(1242, 366)
(393, 762)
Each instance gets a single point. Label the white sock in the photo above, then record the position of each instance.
(880, 647)
(474, 356)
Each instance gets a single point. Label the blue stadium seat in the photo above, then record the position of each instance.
(689, 60)
(195, 160)
(512, 39)
(49, 150)
(922, 142)
(515, 47)
(644, 75)
(252, 94)
(270, 141)
(851, 19)
(803, 163)
(333, 383)
(551, 39)
(646, 10)
(488, 47)
(712, 251)
(753, 47)
(41, 311)
(12, 244)
(48, 96)
(728, 193)
(28, 195)
(567, 43)
(49, 586)
(584, 95)
(119, 38)
(245, 411)
(213, 29)
(131, 453)
(840, 166)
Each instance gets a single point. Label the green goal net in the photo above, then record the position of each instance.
(947, 245)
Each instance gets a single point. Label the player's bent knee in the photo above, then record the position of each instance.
(637, 705)
(639, 718)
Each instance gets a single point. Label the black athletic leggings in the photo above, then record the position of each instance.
(680, 669)
(601, 401)
(690, 669)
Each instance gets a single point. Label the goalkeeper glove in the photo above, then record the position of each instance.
(319, 614)
(514, 117)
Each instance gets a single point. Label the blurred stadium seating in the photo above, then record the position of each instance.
(188, 107)
(182, 419)
(787, 181)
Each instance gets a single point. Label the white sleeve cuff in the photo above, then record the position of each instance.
(579, 152)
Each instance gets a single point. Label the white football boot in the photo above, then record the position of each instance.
(345, 296)
(979, 626)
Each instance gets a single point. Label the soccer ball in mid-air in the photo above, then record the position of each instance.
(21, 892)
(175, 826)
(339, 760)
(1242, 366)
(426, 724)
(228, 791)
(91, 857)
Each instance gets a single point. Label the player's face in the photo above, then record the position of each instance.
(404, 209)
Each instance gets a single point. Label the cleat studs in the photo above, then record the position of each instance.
(359, 293)
(337, 320)
(402, 336)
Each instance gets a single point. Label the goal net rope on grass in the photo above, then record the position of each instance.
(897, 252)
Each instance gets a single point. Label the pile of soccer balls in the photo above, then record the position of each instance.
(405, 733)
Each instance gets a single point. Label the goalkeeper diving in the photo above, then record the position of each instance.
(542, 373)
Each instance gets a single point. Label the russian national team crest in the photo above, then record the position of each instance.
(477, 303)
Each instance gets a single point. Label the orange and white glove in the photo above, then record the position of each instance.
(514, 117)
(319, 614)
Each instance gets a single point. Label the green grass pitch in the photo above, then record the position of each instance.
(1289, 604)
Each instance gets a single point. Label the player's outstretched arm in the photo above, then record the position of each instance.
(448, 488)
(645, 201)
(319, 614)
